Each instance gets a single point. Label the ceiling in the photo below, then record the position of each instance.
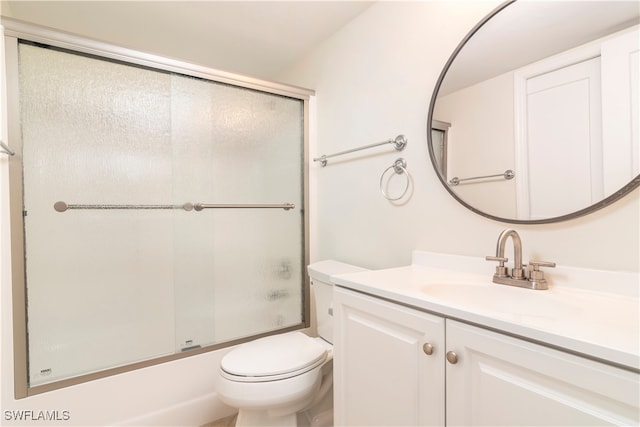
(255, 38)
(528, 31)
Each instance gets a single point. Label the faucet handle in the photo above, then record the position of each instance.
(501, 270)
(501, 260)
(536, 274)
(537, 264)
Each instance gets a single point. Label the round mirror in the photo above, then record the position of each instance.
(534, 118)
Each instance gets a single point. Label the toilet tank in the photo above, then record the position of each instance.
(320, 272)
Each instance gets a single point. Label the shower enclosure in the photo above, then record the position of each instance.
(160, 213)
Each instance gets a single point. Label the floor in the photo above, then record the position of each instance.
(229, 421)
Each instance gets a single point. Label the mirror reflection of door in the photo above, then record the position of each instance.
(439, 134)
(562, 117)
(580, 107)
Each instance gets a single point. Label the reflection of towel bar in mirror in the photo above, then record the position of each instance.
(508, 174)
(399, 143)
(62, 206)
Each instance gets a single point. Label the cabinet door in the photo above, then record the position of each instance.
(382, 374)
(501, 380)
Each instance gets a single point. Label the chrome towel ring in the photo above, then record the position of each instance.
(400, 168)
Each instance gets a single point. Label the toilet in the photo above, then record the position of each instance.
(277, 380)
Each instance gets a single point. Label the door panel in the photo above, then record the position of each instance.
(500, 380)
(382, 375)
(564, 118)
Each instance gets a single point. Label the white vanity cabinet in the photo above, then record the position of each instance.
(384, 377)
(500, 380)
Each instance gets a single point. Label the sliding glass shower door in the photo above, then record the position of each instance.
(242, 147)
(162, 212)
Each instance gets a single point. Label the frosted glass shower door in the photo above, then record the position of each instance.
(242, 268)
(99, 282)
(126, 274)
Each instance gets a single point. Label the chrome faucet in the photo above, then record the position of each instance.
(517, 272)
(520, 275)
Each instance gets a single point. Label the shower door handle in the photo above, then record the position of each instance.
(63, 206)
(286, 206)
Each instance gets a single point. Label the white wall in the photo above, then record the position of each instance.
(374, 80)
(487, 105)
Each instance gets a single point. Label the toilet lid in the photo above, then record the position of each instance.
(274, 355)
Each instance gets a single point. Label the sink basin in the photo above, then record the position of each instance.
(503, 299)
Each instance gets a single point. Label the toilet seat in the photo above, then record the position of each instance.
(273, 358)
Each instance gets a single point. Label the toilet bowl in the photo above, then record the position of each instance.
(272, 380)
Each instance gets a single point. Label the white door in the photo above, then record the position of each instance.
(500, 380)
(382, 375)
(563, 141)
(620, 109)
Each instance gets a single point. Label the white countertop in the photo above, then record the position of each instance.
(579, 317)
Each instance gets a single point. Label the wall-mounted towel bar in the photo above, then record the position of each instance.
(5, 149)
(508, 174)
(399, 143)
(62, 206)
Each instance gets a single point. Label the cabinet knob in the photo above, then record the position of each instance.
(427, 348)
(452, 357)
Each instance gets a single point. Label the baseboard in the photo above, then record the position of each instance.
(195, 412)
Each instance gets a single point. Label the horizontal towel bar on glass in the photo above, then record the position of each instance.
(63, 206)
(285, 206)
(508, 174)
(399, 143)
